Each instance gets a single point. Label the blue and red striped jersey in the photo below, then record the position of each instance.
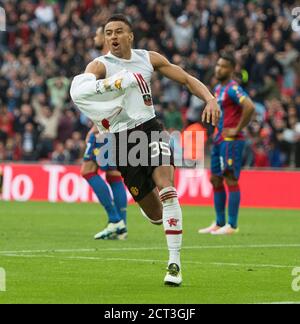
(230, 97)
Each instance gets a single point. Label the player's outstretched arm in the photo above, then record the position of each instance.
(212, 110)
(92, 82)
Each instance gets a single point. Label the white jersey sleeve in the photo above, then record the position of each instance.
(95, 105)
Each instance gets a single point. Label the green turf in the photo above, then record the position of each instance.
(246, 268)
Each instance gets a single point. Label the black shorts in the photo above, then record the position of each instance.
(156, 143)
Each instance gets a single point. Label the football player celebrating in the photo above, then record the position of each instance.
(226, 161)
(130, 71)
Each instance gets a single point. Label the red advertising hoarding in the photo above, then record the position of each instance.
(56, 183)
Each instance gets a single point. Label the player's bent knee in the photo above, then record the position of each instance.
(164, 183)
(163, 177)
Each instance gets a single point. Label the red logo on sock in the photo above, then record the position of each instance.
(173, 222)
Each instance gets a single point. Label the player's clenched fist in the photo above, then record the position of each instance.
(119, 81)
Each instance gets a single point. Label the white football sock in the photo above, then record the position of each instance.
(172, 218)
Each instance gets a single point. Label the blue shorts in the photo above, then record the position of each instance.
(227, 156)
(92, 151)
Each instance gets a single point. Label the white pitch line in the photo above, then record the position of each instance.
(157, 248)
(277, 266)
(281, 303)
(29, 256)
(250, 246)
(48, 251)
(220, 264)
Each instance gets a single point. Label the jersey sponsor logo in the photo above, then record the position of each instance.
(230, 162)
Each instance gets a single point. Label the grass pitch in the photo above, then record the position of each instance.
(49, 256)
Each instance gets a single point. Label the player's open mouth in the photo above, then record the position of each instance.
(115, 45)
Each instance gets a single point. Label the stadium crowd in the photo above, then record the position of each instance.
(48, 42)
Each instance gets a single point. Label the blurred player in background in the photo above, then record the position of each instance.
(116, 208)
(228, 147)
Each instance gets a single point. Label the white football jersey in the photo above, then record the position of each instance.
(138, 104)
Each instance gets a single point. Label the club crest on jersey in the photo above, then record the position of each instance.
(145, 90)
(96, 152)
(135, 191)
(230, 162)
(148, 100)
